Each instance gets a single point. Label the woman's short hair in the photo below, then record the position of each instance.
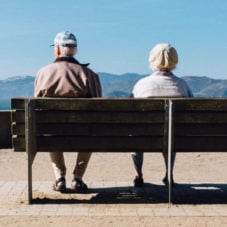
(163, 57)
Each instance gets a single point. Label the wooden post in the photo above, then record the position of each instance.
(168, 144)
(170, 148)
(166, 141)
(30, 140)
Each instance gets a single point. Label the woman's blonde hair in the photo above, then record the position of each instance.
(163, 57)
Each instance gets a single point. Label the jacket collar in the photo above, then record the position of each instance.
(163, 73)
(71, 60)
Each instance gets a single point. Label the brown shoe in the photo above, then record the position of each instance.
(59, 185)
(78, 186)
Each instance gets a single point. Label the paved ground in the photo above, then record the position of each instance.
(199, 198)
(114, 199)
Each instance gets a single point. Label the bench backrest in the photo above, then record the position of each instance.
(200, 125)
(118, 125)
(89, 124)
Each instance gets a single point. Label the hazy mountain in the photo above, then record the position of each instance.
(207, 87)
(16, 86)
(113, 86)
(118, 85)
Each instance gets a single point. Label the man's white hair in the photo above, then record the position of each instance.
(68, 51)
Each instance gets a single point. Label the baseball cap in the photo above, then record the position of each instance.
(66, 39)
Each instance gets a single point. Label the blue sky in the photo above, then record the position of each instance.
(115, 36)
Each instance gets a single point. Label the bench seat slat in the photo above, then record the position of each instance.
(118, 144)
(201, 144)
(94, 129)
(203, 104)
(104, 129)
(194, 144)
(102, 144)
(211, 117)
(93, 117)
(203, 129)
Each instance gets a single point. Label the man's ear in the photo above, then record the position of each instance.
(57, 51)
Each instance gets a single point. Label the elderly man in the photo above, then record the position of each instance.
(66, 77)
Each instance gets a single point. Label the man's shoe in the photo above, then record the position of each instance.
(59, 185)
(138, 181)
(78, 186)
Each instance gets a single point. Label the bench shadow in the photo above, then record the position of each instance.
(193, 194)
(199, 194)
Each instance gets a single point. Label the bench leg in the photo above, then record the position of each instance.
(31, 157)
(170, 150)
(169, 179)
(29, 178)
(30, 141)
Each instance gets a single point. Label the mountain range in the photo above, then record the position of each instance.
(112, 85)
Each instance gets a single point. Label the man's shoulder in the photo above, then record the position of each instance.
(47, 67)
(88, 71)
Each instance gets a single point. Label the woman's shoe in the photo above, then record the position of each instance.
(138, 181)
(165, 182)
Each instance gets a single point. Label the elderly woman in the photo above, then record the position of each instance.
(161, 83)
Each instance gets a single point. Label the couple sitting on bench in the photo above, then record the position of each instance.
(66, 77)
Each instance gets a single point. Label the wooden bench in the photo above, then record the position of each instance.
(118, 125)
(92, 124)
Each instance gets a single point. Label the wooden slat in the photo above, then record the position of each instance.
(133, 104)
(92, 117)
(200, 129)
(98, 104)
(18, 143)
(107, 144)
(200, 104)
(102, 129)
(205, 116)
(101, 104)
(18, 129)
(100, 117)
(17, 103)
(201, 144)
(18, 116)
(94, 129)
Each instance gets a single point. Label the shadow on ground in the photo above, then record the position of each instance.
(149, 194)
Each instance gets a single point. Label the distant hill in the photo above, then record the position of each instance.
(118, 85)
(113, 86)
(207, 87)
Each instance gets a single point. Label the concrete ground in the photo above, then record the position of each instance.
(198, 200)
